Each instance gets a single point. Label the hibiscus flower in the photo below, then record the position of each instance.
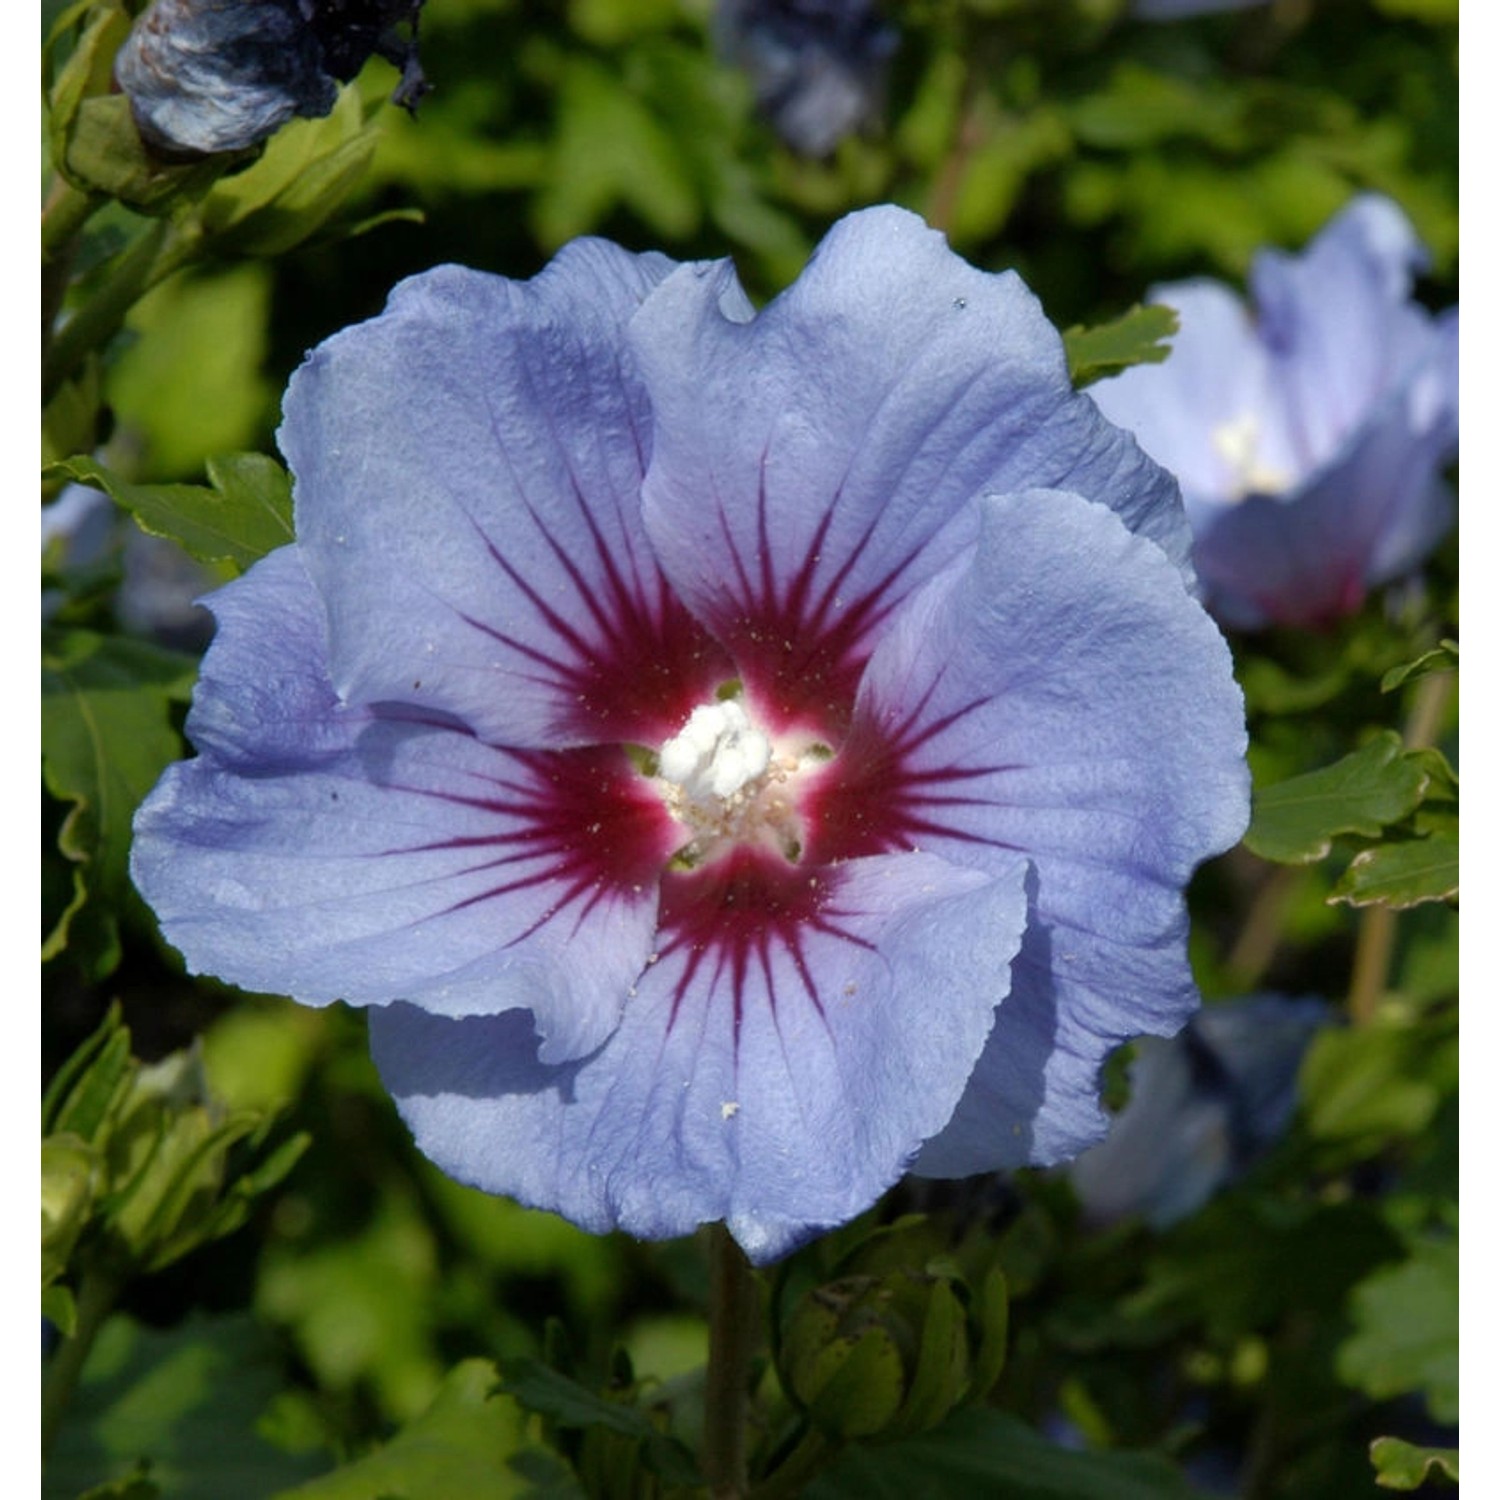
(739, 757)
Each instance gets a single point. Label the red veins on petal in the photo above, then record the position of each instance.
(747, 918)
(889, 787)
(582, 824)
(799, 641)
(629, 663)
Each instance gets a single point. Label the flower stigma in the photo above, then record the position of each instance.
(1238, 443)
(724, 780)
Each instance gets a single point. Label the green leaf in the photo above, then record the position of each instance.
(137, 1485)
(1242, 1264)
(245, 512)
(189, 1398)
(611, 149)
(1406, 1330)
(70, 1175)
(1442, 658)
(1135, 338)
(1140, 107)
(1377, 1083)
(1433, 12)
(360, 1308)
(460, 1446)
(979, 1451)
(994, 1324)
(1404, 872)
(1296, 821)
(106, 737)
(59, 1307)
(1404, 1466)
(85, 1090)
(307, 171)
(189, 378)
(550, 1394)
(942, 1366)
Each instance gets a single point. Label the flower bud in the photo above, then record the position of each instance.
(893, 1353)
(207, 76)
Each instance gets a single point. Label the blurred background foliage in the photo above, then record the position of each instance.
(340, 1334)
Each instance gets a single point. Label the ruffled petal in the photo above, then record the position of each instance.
(779, 1083)
(335, 853)
(1061, 696)
(811, 466)
(468, 502)
(1339, 321)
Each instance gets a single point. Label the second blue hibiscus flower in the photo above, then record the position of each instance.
(1310, 431)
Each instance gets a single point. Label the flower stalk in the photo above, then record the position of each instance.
(96, 1299)
(1376, 942)
(149, 261)
(732, 1328)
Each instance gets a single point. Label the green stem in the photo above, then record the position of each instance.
(96, 1297)
(66, 211)
(804, 1463)
(968, 136)
(149, 261)
(63, 219)
(733, 1319)
(1376, 943)
(1260, 936)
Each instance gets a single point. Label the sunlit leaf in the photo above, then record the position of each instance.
(1140, 337)
(460, 1446)
(188, 382)
(1442, 658)
(1404, 1466)
(1296, 821)
(244, 513)
(106, 737)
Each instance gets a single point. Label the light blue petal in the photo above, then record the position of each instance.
(1339, 321)
(1203, 1106)
(1217, 376)
(333, 853)
(1308, 436)
(782, 1099)
(812, 466)
(1368, 516)
(468, 473)
(1063, 698)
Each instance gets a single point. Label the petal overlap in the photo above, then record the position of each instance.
(1036, 700)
